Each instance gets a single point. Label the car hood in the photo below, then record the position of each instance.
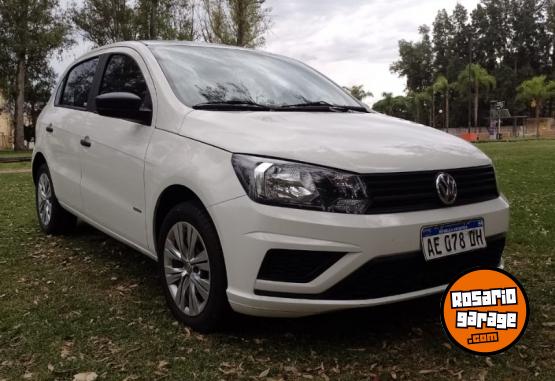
(358, 142)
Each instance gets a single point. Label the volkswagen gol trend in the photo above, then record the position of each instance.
(258, 184)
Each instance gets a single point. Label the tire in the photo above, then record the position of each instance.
(195, 283)
(53, 218)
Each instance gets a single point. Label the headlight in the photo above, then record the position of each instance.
(283, 183)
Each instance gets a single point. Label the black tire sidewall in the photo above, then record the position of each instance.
(49, 229)
(61, 221)
(217, 306)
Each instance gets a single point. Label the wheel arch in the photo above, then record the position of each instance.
(168, 198)
(38, 161)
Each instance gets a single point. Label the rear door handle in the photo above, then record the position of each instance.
(86, 141)
(49, 128)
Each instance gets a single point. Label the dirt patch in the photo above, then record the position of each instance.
(22, 170)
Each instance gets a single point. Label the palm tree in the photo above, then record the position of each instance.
(358, 92)
(536, 91)
(478, 78)
(421, 102)
(442, 85)
(388, 103)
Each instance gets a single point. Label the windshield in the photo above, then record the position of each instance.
(217, 75)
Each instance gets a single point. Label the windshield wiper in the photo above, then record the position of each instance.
(320, 106)
(232, 106)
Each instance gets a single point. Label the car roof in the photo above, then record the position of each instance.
(169, 43)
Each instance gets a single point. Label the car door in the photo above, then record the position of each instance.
(112, 185)
(64, 125)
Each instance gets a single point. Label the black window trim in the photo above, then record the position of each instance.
(62, 86)
(101, 70)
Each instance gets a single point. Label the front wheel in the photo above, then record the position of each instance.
(53, 218)
(192, 268)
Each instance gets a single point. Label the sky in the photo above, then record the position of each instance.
(351, 41)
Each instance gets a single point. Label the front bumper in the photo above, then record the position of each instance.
(249, 230)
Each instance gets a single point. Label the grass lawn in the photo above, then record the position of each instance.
(10, 153)
(85, 303)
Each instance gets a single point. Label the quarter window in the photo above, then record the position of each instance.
(78, 84)
(122, 74)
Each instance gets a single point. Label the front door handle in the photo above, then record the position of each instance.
(49, 128)
(86, 141)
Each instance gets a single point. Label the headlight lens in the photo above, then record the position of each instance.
(279, 182)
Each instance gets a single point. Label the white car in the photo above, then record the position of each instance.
(258, 184)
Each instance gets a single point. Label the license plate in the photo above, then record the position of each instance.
(458, 237)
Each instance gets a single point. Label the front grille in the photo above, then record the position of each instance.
(297, 266)
(411, 191)
(399, 274)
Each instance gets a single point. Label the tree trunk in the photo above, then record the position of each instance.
(242, 15)
(152, 25)
(447, 111)
(19, 143)
(433, 110)
(417, 112)
(538, 107)
(476, 100)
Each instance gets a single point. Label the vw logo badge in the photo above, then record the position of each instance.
(446, 187)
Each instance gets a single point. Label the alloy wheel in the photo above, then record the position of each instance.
(44, 194)
(187, 268)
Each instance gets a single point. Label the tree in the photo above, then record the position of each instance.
(165, 19)
(30, 32)
(399, 106)
(41, 80)
(384, 105)
(551, 33)
(358, 92)
(536, 91)
(475, 77)
(416, 61)
(442, 86)
(442, 41)
(235, 22)
(107, 21)
(490, 32)
(460, 42)
(422, 102)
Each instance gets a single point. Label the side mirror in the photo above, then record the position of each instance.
(124, 106)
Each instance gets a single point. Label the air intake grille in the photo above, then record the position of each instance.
(402, 273)
(411, 191)
(297, 266)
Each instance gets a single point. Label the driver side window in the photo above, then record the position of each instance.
(122, 74)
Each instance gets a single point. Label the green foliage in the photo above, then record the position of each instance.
(536, 90)
(31, 31)
(442, 41)
(441, 85)
(415, 62)
(107, 21)
(512, 40)
(235, 22)
(476, 77)
(358, 92)
(422, 106)
(399, 106)
(231, 22)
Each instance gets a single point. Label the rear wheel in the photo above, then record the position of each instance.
(53, 218)
(192, 268)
